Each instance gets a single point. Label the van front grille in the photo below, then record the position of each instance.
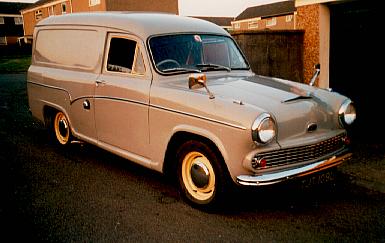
(299, 154)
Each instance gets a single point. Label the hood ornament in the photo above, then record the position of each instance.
(315, 75)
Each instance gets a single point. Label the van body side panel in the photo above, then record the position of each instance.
(121, 113)
(81, 88)
(65, 91)
(35, 104)
(68, 47)
(66, 61)
(43, 93)
(195, 118)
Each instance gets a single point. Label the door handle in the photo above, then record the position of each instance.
(100, 82)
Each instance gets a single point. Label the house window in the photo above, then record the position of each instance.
(3, 40)
(38, 15)
(124, 56)
(253, 24)
(1, 20)
(271, 21)
(94, 2)
(237, 25)
(64, 8)
(289, 18)
(18, 20)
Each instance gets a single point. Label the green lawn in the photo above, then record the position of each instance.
(14, 64)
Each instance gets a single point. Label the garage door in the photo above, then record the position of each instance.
(356, 63)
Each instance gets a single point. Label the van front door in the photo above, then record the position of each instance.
(122, 98)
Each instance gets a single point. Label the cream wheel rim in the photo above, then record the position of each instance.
(198, 176)
(62, 128)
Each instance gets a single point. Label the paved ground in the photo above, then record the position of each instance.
(367, 168)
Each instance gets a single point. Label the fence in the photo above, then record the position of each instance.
(277, 53)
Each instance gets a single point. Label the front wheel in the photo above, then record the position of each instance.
(200, 174)
(61, 129)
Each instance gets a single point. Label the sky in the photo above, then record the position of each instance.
(214, 8)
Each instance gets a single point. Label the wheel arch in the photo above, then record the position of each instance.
(185, 134)
(49, 111)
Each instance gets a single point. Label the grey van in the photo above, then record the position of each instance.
(176, 95)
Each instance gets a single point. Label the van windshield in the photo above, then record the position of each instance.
(196, 53)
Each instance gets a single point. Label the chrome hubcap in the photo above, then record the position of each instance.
(198, 176)
(63, 127)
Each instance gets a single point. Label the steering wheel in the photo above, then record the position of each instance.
(168, 61)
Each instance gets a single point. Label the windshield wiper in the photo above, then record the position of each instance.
(180, 69)
(215, 66)
(241, 68)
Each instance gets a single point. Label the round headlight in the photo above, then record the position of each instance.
(263, 129)
(347, 113)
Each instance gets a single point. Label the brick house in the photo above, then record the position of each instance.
(11, 22)
(275, 16)
(315, 18)
(224, 22)
(45, 8)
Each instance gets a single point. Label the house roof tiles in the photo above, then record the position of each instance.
(221, 21)
(268, 10)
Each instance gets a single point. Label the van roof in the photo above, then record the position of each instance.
(142, 24)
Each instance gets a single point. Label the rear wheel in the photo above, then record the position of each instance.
(61, 128)
(200, 174)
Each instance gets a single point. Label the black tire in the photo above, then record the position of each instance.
(61, 129)
(201, 177)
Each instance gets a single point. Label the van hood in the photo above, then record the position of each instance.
(295, 106)
(252, 89)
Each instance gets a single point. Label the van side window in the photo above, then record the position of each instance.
(124, 56)
(139, 64)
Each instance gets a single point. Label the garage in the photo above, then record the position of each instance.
(355, 58)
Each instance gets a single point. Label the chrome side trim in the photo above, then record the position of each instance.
(276, 177)
(73, 100)
(140, 103)
(81, 97)
(120, 99)
(200, 117)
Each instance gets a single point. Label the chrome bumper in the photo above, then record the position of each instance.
(276, 177)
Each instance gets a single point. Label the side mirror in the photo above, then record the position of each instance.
(197, 81)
